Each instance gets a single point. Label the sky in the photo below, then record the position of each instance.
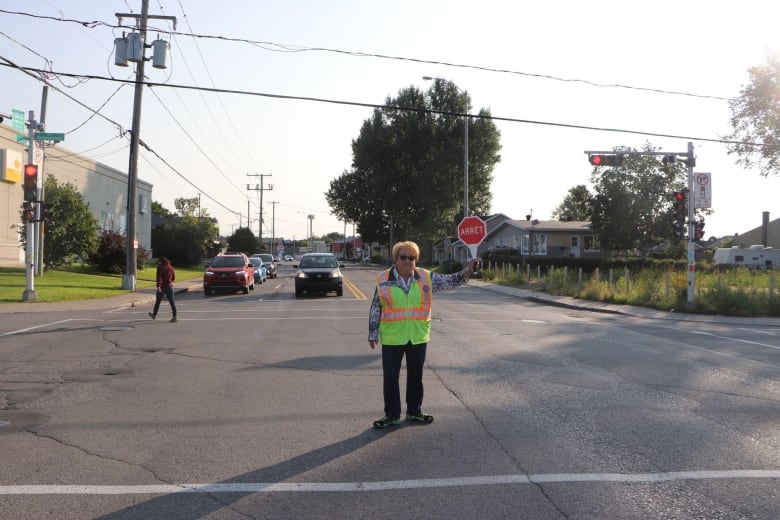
(564, 76)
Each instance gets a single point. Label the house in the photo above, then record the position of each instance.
(767, 234)
(551, 238)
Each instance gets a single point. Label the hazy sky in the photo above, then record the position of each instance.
(602, 64)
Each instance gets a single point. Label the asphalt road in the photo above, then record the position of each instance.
(260, 406)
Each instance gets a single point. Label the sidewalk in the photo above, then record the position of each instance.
(145, 297)
(140, 298)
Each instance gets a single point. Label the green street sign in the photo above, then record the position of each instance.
(49, 136)
(22, 139)
(17, 119)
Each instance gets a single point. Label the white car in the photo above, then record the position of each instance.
(289, 258)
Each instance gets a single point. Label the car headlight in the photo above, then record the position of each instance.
(301, 274)
(209, 273)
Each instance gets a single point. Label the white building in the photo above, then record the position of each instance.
(104, 189)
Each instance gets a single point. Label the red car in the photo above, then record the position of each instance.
(229, 271)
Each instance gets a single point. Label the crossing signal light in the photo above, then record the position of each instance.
(680, 214)
(699, 225)
(605, 159)
(27, 209)
(30, 182)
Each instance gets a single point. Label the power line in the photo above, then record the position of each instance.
(279, 47)
(412, 109)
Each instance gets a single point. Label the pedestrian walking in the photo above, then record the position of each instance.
(400, 318)
(165, 277)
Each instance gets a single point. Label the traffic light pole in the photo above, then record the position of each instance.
(615, 158)
(691, 162)
(29, 249)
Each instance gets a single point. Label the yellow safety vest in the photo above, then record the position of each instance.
(405, 317)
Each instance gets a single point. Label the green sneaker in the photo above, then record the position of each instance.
(386, 421)
(420, 417)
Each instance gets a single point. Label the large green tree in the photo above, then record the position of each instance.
(407, 168)
(69, 227)
(755, 119)
(184, 238)
(243, 241)
(632, 207)
(576, 206)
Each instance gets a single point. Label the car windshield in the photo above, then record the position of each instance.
(228, 261)
(318, 261)
(256, 262)
(267, 258)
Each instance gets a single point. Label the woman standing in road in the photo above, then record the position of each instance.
(165, 277)
(400, 316)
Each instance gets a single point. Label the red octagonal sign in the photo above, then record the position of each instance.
(472, 231)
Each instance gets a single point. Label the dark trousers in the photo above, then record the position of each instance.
(392, 355)
(168, 292)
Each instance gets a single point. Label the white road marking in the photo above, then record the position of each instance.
(28, 329)
(350, 487)
(734, 339)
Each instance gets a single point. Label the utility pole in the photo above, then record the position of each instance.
(311, 232)
(129, 278)
(273, 227)
(261, 189)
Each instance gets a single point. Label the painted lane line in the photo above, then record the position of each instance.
(734, 339)
(43, 325)
(350, 487)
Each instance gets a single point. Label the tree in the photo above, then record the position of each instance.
(69, 227)
(632, 207)
(187, 207)
(243, 241)
(407, 167)
(755, 119)
(158, 210)
(576, 206)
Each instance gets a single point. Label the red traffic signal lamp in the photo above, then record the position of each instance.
(680, 213)
(30, 185)
(605, 159)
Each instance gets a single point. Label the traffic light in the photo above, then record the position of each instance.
(27, 210)
(699, 225)
(605, 160)
(30, 182)
(680, 214)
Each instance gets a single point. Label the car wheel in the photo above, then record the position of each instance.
(205, 292)
(339, 292)
(298, 293)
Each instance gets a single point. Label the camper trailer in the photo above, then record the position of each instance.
(759, 257)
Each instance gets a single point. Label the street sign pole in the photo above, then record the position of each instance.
(691, 228)
(29, 249)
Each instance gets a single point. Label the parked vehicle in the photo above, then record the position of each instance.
(756, 256)
(318, 272)
(269, 262)
(229, 271)
(289, 258)
(261, 273)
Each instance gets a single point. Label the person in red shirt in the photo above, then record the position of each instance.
(165, 277)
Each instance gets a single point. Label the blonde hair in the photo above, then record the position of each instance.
(408, 244)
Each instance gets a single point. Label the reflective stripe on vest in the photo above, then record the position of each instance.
(405, 317)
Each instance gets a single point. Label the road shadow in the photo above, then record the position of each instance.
(191, 506)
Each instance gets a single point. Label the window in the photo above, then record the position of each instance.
(539, 244)
(591, 243)
(575, 241)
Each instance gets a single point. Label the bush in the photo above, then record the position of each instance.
(111, 255)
